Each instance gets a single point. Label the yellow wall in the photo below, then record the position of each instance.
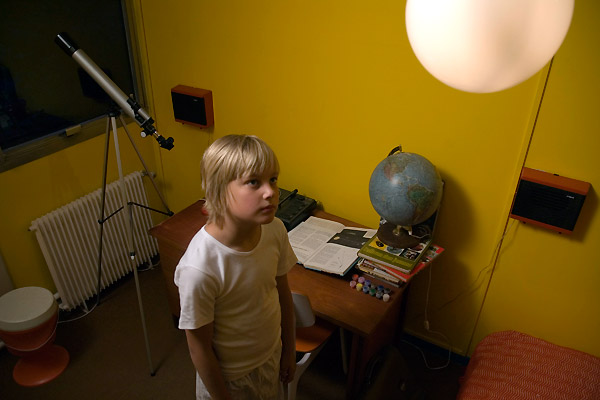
(547, 284)
(332, 87)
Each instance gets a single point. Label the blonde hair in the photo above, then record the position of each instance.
(227, 159)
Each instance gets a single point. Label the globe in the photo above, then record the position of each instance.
(405, 189)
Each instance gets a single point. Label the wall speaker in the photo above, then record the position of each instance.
(548, 200)
(192, 106)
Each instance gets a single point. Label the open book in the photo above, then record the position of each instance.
(326, 245)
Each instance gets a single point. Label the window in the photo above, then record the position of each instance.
(47, 102)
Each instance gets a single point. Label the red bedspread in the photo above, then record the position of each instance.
(511, 365)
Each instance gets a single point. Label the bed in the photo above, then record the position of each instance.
(513, 366)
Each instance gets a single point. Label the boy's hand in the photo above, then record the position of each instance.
(287, 367)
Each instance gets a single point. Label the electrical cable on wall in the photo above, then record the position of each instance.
(497, 251)
(475, 284)
(472, 287)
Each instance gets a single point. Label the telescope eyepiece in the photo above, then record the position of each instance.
(165, 143)
(66, 43)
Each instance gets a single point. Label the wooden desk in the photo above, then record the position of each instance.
(371, 321)
(174, 235)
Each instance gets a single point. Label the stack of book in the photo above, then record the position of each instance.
(331, 247)
(395, 266)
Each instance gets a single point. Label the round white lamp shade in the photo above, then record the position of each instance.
(484, 46)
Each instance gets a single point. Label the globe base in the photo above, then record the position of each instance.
(397, 238)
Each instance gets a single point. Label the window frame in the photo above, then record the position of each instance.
(52, 143)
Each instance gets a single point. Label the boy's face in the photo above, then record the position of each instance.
(254, 198)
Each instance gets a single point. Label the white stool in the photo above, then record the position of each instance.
(28, 320)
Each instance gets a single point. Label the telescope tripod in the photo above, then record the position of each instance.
(112, 123)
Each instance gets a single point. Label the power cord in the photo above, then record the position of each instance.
(475, 283)
(87, 311)
(427, 328)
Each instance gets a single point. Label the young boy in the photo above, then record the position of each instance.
(236, 305)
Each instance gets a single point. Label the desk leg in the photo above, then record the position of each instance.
(361, 352)
(352, 367)
(169, 258)
(363, 349)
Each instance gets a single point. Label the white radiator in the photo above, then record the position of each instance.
(69, 235)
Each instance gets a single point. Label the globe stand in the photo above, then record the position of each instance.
(399, 237)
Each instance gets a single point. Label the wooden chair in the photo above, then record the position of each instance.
(311, 335)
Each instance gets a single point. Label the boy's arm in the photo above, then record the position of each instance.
(206, 363)
(288, 331)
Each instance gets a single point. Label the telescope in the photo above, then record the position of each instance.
(126, 103)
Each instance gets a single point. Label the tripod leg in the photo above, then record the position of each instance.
(144, 164)
(102, 204)
(142, 314)
(122, 187)
(129, 227)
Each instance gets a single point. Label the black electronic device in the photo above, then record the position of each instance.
(548, 200)
(294, 208)
(192, 106)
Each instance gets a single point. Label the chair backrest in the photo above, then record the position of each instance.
(303, 310)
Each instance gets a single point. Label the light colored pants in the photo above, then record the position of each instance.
(262, 383)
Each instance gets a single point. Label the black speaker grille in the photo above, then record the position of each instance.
(189, 108)
(545, 197)
(547, 204)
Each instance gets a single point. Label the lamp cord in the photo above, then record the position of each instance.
(497, 251)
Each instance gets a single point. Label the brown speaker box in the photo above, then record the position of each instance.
(548, 200)
(192, 106)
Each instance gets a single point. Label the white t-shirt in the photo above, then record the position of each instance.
(238, 292)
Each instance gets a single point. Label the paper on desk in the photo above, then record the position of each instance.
(334, 259)
(310, 235)
(327, 245)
